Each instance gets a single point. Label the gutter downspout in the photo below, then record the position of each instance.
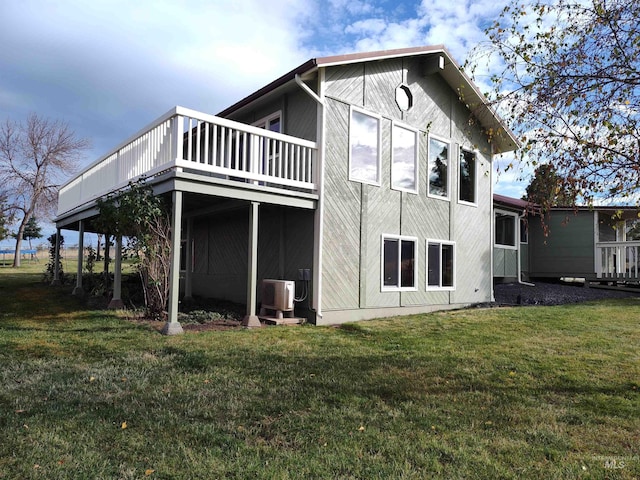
(319, 214)
(492, 228)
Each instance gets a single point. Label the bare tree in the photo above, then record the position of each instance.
(35, 156)
(568, 81)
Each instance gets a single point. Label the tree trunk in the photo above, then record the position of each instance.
(98, 257)
(16, 257)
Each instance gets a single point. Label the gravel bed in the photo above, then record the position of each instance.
(544, 293)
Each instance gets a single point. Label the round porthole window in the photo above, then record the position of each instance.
(404, 98)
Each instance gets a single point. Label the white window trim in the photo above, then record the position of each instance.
(448, 142)
(379, 159)
(262, 123)
(383, 287)
(416, 160)
(516, 230)
(475, 190)
(440, 288)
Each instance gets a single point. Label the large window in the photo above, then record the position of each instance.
(440, 265)
(438, 168)
(404, 163)
(364, 147)
(468, 177)
(399, 262)
(505, 224)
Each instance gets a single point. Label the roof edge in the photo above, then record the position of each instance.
(475, 98)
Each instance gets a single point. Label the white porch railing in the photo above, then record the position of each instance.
(197, 142)
(618, 260)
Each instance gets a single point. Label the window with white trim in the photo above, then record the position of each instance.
(364, 147)
(271, 122)
(269, 148)
(467, 177)
(404, 160)
(438, 168)
(440, 265)
(399, 263)
(505, 229)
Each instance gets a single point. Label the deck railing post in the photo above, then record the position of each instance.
(178, 129)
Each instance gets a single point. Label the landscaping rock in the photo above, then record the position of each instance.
(545, 293)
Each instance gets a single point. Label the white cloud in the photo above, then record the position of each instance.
(111, 66)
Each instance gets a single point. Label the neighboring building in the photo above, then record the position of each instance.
(364, 178)
(598, 244)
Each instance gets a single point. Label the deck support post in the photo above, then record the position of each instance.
(116, 302)
(173, 327)
(56, 265)
(78, 290)
(251, 319)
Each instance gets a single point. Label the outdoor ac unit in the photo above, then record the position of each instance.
(278, 294)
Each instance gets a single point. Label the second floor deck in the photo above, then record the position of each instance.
(195, 142)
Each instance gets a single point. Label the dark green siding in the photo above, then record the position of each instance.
(568, 249)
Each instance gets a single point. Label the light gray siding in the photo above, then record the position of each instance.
(505, 263)
(356, 215)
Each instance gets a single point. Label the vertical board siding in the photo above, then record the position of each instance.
(298, 230)
(357, 215)
(341, 270)
(270, 229)
(498, 262)
(227, 243)
(382, 216)
(285, 244)
(568, 249)
(201, 248)
(300, 117)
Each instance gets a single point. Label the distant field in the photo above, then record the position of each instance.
(502, 393)
(38, 262)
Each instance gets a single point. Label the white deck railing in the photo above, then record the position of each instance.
(618, 260)
(189, 140)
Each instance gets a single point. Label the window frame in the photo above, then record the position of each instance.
(440, 287)
(447, 197)
(266, 121)
(516, 229)
(474, 152)
(399, 287)
(378, 118)
(416, 157)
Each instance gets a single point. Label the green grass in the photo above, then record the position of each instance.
(531, 392)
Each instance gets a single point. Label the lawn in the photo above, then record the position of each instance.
(528, 392)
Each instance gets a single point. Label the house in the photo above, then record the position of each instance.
(366, 179)
(593, 244)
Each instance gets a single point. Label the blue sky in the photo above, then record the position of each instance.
(109, 67)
